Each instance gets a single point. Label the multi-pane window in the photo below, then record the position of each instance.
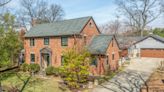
(32, 41)
(107, 60)
(64, 41)
(32, 56)
(62, 60)
(85, 40)
(46, 41)
(112, 56)
(94, 62)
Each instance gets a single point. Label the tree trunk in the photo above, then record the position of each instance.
(141, 32)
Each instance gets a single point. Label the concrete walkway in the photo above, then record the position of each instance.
(132, 78)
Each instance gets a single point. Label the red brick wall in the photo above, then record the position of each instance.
(156, 53)
(55, 45)
(113, 50)
(100, 69)
(90, 31)
(113, 64)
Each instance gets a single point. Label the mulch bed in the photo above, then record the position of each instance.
(155, 83)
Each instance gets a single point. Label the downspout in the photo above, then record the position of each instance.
(75, 42)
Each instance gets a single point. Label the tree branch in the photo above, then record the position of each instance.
(4, 3)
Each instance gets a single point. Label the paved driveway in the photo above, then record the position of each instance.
(132, 78)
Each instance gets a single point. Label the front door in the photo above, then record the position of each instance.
(45, 60)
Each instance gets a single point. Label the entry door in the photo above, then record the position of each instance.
(106, 64)
(46, 59)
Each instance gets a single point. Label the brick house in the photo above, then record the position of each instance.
(44, 43)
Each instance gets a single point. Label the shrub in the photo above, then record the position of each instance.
(24, 67)
(75, 68)
(34, 68)
(50, 70)
(5, 64)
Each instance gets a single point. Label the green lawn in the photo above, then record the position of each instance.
(35, 83)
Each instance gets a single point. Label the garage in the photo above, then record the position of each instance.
(158, 53)
(150, 46)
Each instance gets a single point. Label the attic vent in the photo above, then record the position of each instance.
(90, 25)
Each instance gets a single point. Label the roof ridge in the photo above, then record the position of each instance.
(157, 37)
(63, 20)
(75, 18)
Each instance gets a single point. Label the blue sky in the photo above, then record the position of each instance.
(102, 10)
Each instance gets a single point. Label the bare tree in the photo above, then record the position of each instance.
(162, 5)
(139, 13)
(112, 27)
(4, 2)
(55, 13)
(41, 11)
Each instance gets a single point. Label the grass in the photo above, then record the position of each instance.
(38, 84)
(35, 83)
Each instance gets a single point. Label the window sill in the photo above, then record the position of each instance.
(32, 46)
(64, 46)
(32, 63)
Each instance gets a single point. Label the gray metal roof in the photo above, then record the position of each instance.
(99, 44)
(155, 42)
(159, 38)
(65, 27)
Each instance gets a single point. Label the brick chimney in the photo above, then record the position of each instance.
(22, 33)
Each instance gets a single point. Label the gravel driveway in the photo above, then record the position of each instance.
(132, 78)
